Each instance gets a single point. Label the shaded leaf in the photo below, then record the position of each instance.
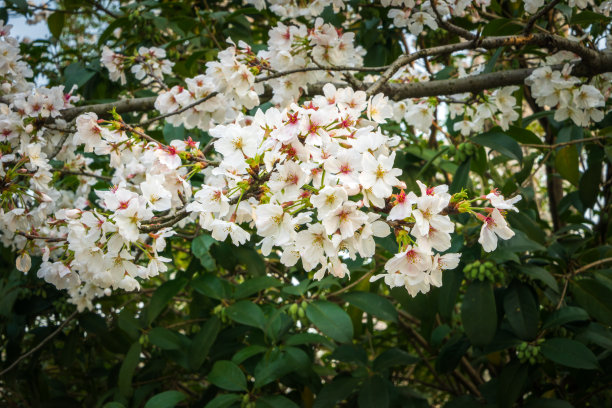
(501, 143)
(566, 163)
(162, 297)
(331, 319)
(374, 393)
(594, 297)
(227, 375)
(511, 382)
(128, 366)
(393, 357)
(254, 285)
(203, 341)
(479, 313)
(565, 315)
(166, 399)
(245, 312)
(461, 178)
(569, 353)
(373, 304)
(521, 310)
(223, 401)
(337, 390)
(165, 339)
(56, 24)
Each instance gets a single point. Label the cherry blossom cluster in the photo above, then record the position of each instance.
(532, 6)
(316, 183)
(497, 106)
(580, 102)
(148, 65)
(296, 8)
(13, 71)
(238, 73)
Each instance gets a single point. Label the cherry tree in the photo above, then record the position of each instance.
(264, 195)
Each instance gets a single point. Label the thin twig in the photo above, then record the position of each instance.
(591, 265)
(83, 173)
(42, 343)
(556, 145)
(536, 17)
(179, 111)
(33, 237)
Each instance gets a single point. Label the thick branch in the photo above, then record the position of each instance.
(595, 60)
(594, 63)
(478, 83)
(126, 105)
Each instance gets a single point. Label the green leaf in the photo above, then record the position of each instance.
(171, 133)
(22, 5)
(203, 341)
(223, 401)
(597, 334)
(479, 313)
(162, 297)
(541, 274)
(165, 339)
(335, 391)
(255, 285)
(247, 313)
(461, 178)
(331, 319)
(297, 290)
(227, 375)
(589, 186)
(277, 363)
(113, 405)
(501, 26)
(523, 135)
(128, 323)
(309, 338)
(200, 248)
(76, 74)
(128, 366)
(594, 297)
(566, 163)
(56, 24)
(212, 286)
(548, 403)
(585, 18)
(374, 393)
(521, 310)
(393, 357)
(500, 142)
(251, 259)
(166, 399)
(451, 353)
(511, 382)
(569, 353)
(275, 401)
(451, 283)
(565, 315)
(373, 304)
(248, 352)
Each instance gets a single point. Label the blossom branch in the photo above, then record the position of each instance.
(33, 237)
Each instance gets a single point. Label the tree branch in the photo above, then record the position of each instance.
(42, 343)
(122, 106)
(535, 17)
(593, 63)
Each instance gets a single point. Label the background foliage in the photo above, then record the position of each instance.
(527, 325)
